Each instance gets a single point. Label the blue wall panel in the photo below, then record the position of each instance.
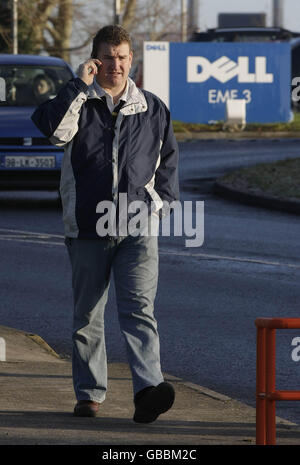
(257, 72)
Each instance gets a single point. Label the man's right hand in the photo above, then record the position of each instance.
(88, 70)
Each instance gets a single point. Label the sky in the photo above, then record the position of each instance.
(209, 10)
(208, 15)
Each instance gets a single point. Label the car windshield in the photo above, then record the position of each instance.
(32, 85)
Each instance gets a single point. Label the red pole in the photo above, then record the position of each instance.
(270, 386)
(261, 387)
(266, 394)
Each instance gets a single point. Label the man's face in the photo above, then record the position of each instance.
(116, 62)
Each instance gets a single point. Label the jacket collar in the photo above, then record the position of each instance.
(135, 99)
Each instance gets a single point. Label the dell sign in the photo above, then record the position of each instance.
(196, 79)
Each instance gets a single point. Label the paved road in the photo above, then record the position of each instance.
(208, 297)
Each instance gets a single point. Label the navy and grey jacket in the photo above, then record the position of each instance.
(136, 153)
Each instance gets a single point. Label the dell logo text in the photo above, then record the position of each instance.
(200, 69)
(156, 47)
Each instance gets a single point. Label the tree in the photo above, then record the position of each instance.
(64, 28)
(144, 19)
(59, 27)
(43, 26)
(129, 13)
(158, 19)
(5, 27)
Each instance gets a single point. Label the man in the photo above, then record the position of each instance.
(118, 140)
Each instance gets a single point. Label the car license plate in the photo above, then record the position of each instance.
(29, 161)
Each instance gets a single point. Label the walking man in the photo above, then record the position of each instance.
(118, 140)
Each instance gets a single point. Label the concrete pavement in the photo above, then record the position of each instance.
(37, 401)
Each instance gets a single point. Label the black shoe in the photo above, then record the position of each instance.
(86, 408)
(152, 401)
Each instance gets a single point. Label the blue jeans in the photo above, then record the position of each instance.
(134, 262)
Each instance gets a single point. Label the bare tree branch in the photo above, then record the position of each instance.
(129, 13)
(63, 27)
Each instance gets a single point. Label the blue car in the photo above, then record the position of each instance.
(27, 159)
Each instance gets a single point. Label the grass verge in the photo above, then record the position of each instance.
(280, 179)
(292, 126)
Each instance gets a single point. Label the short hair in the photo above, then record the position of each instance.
(43, 77)
(113, 34)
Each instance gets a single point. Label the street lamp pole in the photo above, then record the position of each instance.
(183, 20)
(193, 16)
(15, 26)
(117, 11)
(277, 13)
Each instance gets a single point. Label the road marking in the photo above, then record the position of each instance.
(30, 241)
(224, 257)
(30, 237)
(45, 238)
(32, 233)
